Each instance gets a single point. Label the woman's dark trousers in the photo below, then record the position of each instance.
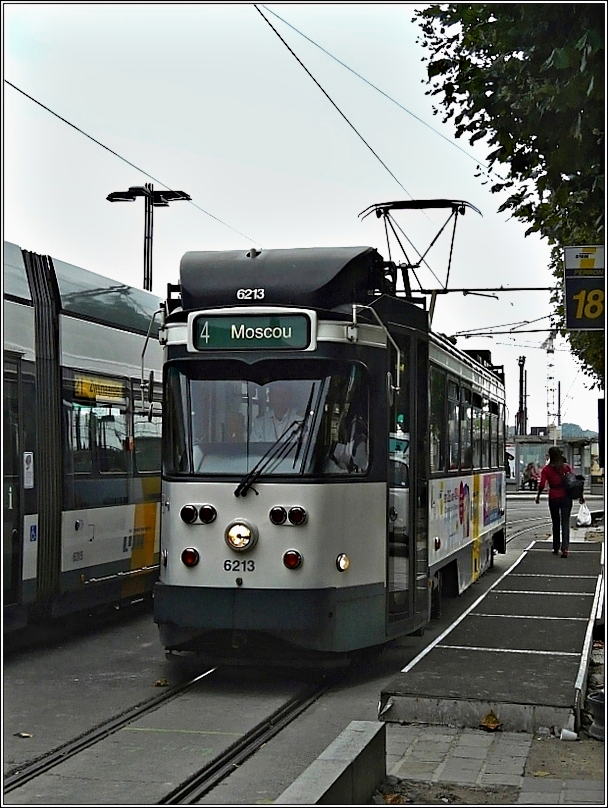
(560, 510)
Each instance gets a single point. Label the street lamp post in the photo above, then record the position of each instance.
(153, 199)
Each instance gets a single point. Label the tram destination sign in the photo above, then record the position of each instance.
(237, 332)
(584, 288)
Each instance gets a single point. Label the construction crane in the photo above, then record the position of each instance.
(549, 346)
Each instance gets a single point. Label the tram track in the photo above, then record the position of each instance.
(50, 760)
(193, 781)
(536, 523)
(181, 778)
(202, 781)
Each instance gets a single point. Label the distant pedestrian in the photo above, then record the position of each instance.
(560, 504)
(531, 477)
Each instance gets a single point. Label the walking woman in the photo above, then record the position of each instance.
(560, 504)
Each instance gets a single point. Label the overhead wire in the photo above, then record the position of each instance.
(492, 333)
(332, 102)
(567, 396)
(355, 130)
(124, 159)
(528, 345)
(503, 325)
(480, 164)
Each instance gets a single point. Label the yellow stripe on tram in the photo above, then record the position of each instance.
(144, 552)
(477, 510)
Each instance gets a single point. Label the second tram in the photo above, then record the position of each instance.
(330, 466)
(81, 462)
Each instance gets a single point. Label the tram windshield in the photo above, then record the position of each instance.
(305, 417)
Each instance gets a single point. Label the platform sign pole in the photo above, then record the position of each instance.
(584, 288)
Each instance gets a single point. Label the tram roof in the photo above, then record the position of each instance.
(84, 293)
(15, 276)
(321, 277)
(105, 300)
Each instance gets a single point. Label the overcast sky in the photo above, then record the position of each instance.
(207, 99)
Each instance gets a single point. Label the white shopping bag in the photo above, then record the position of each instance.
(583, 517)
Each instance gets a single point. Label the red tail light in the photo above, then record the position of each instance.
(292, 559)
(207, 514)
(278, 515)
(189, 514)
(297, 515)
(190, 557)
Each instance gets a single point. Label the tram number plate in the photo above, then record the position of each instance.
(239, 565)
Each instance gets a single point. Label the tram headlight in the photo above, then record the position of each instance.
(342, 562)
(190, 557)
(189, 514)
(207, 514)
(292, 559)
(241, 536)
(297, 515)
(278, 515)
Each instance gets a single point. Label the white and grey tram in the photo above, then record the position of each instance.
(81, 455)
(329, 465)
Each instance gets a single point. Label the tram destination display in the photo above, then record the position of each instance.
(230, 332)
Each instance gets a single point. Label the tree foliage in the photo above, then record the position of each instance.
(528, 79)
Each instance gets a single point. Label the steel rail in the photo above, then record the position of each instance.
(538, 523)
(202, 781)
(48, 761)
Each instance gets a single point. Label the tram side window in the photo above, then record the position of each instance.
(453, 426)
(466, 427)
(95, 412)
(485, 434)
(176, 433)
(495, 456)
(110, 430)
(147, 433)
(399, 438)
(80, 447)
(345, 425)
(437, 421)
(477, 430)
(501, 437)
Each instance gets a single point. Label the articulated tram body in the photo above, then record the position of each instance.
(81, 471)
(296, 495)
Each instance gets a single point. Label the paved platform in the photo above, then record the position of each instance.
(502, 656)
(472, 757)
(537, 617)
(435, 761)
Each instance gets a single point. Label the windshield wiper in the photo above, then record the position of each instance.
(275, 453)
(307, 414)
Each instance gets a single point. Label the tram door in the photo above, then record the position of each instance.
(12, 505)
(408, 597)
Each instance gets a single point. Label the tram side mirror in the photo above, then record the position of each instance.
(151, 388)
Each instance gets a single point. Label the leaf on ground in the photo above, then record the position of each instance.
(490, 722)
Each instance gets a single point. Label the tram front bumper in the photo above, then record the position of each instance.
(331, 618)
